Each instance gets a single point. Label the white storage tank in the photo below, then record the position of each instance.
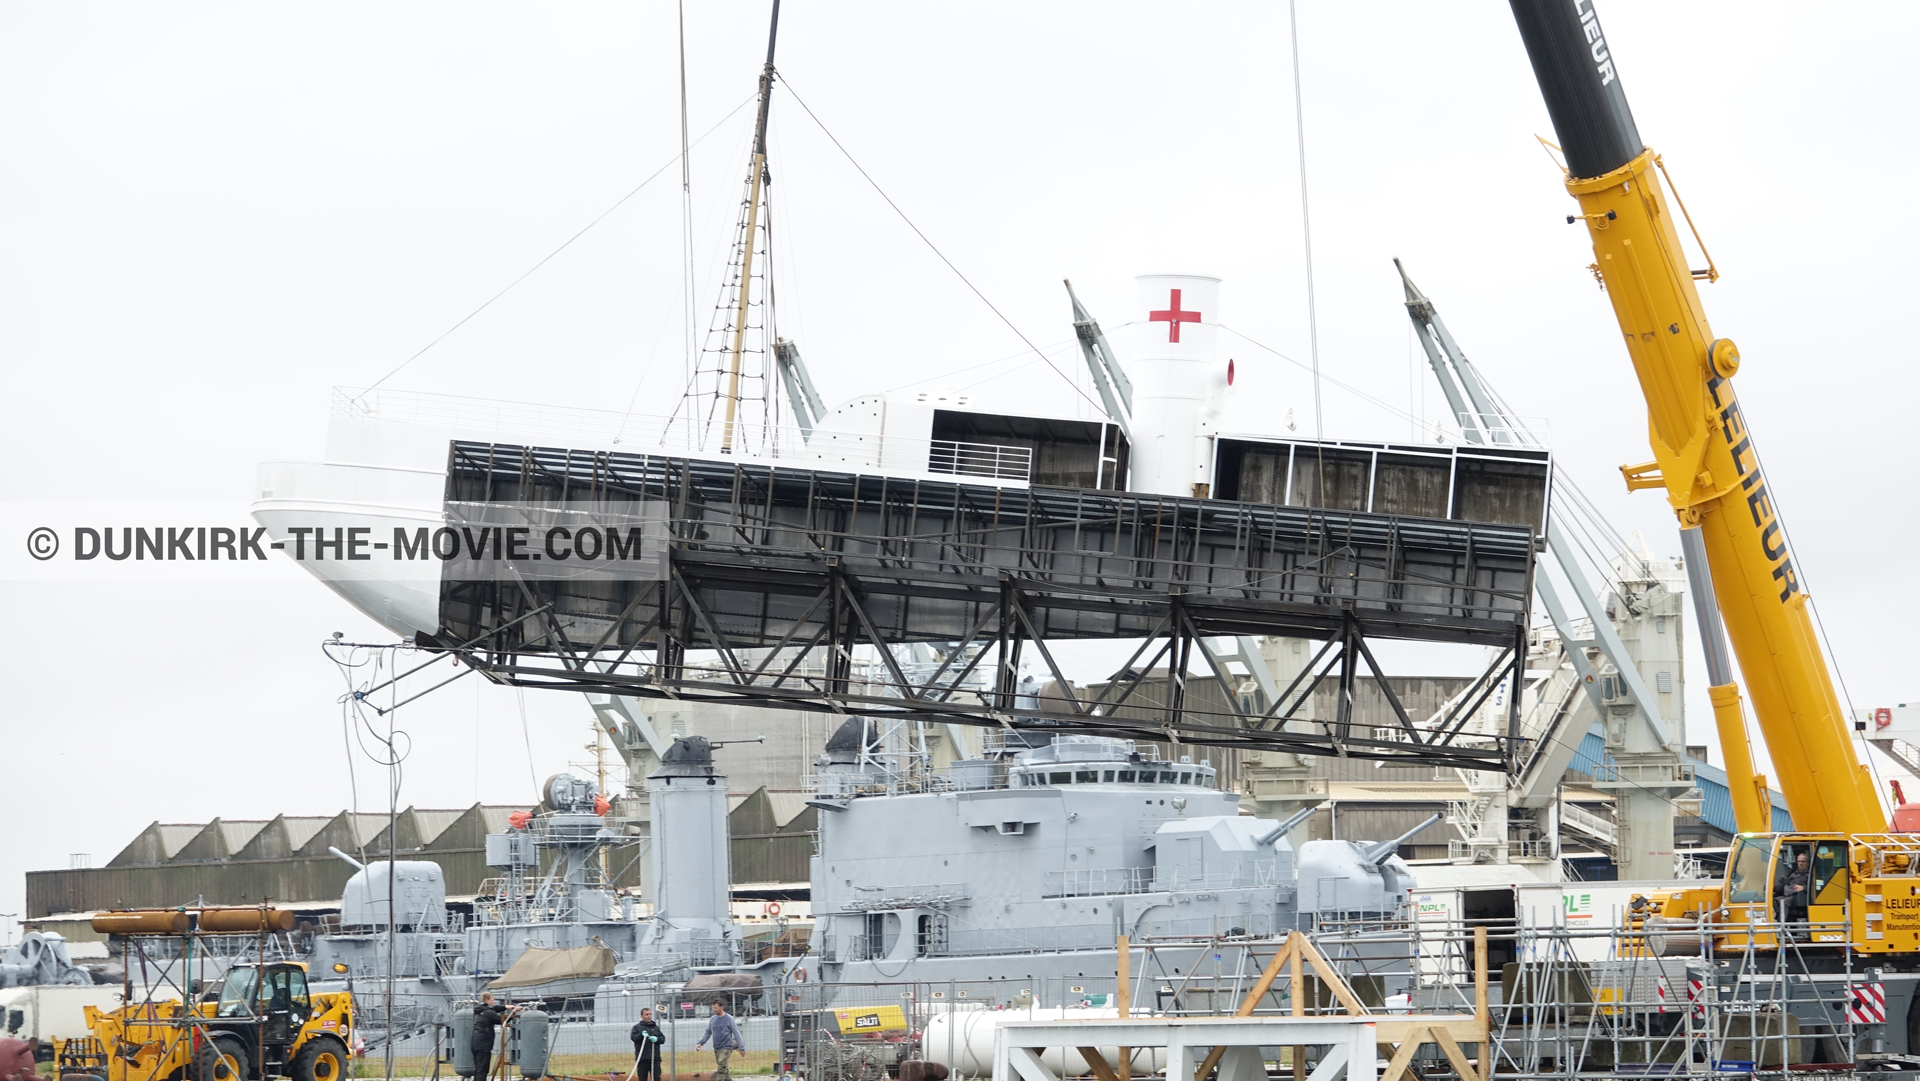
(962, 1041)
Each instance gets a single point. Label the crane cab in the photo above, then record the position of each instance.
(1812, 890)
(1797, 884)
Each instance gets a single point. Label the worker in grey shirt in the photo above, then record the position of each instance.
(724, 1031)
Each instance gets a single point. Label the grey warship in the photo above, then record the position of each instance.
(1025, 865)
(1030, 865)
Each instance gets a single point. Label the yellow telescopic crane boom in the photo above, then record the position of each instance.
(1703, 447)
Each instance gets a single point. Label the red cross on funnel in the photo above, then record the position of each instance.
(1173, 317)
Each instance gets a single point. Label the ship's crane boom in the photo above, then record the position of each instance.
(1703, 446)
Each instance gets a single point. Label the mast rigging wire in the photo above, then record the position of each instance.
(618, 203)
(1098, 406)
(686, 207)
(1306, 237)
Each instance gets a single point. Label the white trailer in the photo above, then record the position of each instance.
(53, 1012)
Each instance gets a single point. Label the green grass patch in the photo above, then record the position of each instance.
(693, 1066)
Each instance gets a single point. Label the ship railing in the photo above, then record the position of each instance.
(965, 941)
(524, 912)
(1458, 850)
(569, 829)
(907, 779)
(996, 741)
(641, 433)
(1261, 873)
(449, 955)
(1095, 882)
(926, 895)
(980, 459)
(1500, 428)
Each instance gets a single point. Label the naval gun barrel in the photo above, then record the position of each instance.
(1286, 827)
(1575, 70)
(1377, 852)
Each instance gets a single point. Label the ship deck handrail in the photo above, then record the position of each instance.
(569, 425)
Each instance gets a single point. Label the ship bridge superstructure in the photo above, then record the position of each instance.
(1055, 848)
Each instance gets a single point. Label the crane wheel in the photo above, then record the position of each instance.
(322, 1059)
(222, 1060)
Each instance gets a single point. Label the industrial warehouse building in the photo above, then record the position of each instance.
(286, 859)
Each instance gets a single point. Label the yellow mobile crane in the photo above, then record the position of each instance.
(1859, 895)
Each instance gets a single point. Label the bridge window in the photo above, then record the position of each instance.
(1747, 871)
(1830, 873)
(1060, 777)
(1086, 776)
(1126, 775)
(1107, 776)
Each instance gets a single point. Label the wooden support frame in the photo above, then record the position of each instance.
(1406, 1031)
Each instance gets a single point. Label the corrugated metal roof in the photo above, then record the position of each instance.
(496, 816)
(432, 824)
(786, 806)
(1716, 805)
(174, 837)
(301, 830)
(236, 834)
(366, 826)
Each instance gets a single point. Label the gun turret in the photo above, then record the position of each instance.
(1376, 852)
(1286, 827)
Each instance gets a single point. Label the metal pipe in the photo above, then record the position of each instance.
(1706, 608)
(1752, 803)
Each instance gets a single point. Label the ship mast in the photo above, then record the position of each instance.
(756, 178)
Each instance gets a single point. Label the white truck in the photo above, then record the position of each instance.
(54, 1012)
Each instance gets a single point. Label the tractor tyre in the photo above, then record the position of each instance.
(324, 1058)
(222, 1060)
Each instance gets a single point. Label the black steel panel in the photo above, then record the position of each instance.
(758, 543)
(777, 572)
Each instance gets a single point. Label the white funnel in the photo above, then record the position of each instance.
(1179, 383)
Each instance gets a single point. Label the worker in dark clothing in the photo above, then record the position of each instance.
(1796, 890)
(647, 1041)
(486, 1020)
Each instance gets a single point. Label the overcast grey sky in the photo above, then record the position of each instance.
(212, 213)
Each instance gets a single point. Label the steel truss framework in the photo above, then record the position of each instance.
(774, 577)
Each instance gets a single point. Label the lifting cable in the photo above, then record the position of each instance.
(1098, 406)
(618, 203)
